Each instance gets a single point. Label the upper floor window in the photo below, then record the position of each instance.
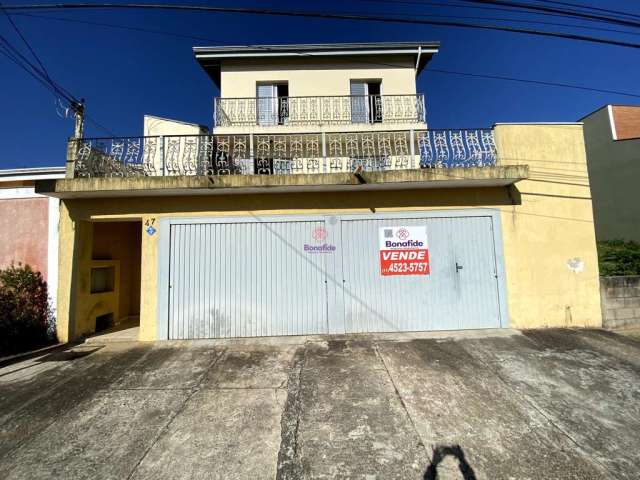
(366, 104)
(272, 103)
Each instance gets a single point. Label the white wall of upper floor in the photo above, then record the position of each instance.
(317, 77)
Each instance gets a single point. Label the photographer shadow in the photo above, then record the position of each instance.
(440, 452)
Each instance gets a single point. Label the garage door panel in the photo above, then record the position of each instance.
(447, 298)
(254, 278)
(245, 279)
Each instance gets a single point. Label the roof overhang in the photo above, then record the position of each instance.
(211, 58)
(37, 173)
(264, 184)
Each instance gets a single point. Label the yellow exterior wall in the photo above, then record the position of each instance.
(551, 229)
(120, 241)
(547, 227)
(309, 78)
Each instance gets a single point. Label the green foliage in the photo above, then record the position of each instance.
(26, 319)
(617, 257)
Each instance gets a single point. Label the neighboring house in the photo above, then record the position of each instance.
(322, 203)
(29, 223)
(612, 139)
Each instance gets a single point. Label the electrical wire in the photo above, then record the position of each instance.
(13, 54)
(534, 82)
(569, 12)
(364, 62)
(20, 60)
(487, 7)
(102, 24)
(589, 7)
(24, 40)
(326, 15)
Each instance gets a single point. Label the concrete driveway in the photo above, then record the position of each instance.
(494, 405)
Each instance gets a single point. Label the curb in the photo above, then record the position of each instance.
(4, 361)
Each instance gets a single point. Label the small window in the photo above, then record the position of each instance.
(102, 279)
(366, 102)
(272, 103)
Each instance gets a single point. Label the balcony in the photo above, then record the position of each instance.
(303, 111)
(255, 154)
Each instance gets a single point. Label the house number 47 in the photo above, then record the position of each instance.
(149, 228)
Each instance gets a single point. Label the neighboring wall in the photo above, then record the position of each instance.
(614, 170)
(620, 301)
(24, 224)
(626, 121)
(549, 242)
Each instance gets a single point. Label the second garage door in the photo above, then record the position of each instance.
(314, 275)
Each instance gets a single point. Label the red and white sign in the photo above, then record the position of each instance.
(404, 251)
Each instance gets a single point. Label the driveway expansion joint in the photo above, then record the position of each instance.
(289, 466)
(399, 396)
(178, 411)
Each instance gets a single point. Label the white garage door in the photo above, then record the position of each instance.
(314, 275)
(245, 280)
(460, 290)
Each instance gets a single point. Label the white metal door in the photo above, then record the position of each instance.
(460, 292)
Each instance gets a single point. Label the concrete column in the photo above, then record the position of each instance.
(73, 145)
(74, 257)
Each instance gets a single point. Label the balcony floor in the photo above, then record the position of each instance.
(234, 184)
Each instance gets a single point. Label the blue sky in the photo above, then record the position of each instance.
(124, 74)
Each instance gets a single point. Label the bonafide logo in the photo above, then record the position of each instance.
(402, 234)
(324, 248)
(408, 243)
(319, 234)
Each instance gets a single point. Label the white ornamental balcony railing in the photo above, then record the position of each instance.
(339, 110)
(281, 154)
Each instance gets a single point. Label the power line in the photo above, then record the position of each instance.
(145, 30)
(487, 7)
(24, 40)
(20, 60)
(327, 15)
(99, 125)
(118, 26)
(589, 7)
(435, 70)
(570, 12)
(13, 54)
(535, 82)
(7, 53)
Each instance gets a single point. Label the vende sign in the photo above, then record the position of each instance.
(404, 251)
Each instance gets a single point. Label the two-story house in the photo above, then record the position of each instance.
(322, 203)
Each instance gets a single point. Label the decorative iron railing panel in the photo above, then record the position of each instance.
(282, 154)
(456, 148)
(339, 110)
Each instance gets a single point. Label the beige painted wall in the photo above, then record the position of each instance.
(310, 77)
(549, 242)
(121, 241)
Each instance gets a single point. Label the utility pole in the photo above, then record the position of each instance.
(78, 134)
(78, 113)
